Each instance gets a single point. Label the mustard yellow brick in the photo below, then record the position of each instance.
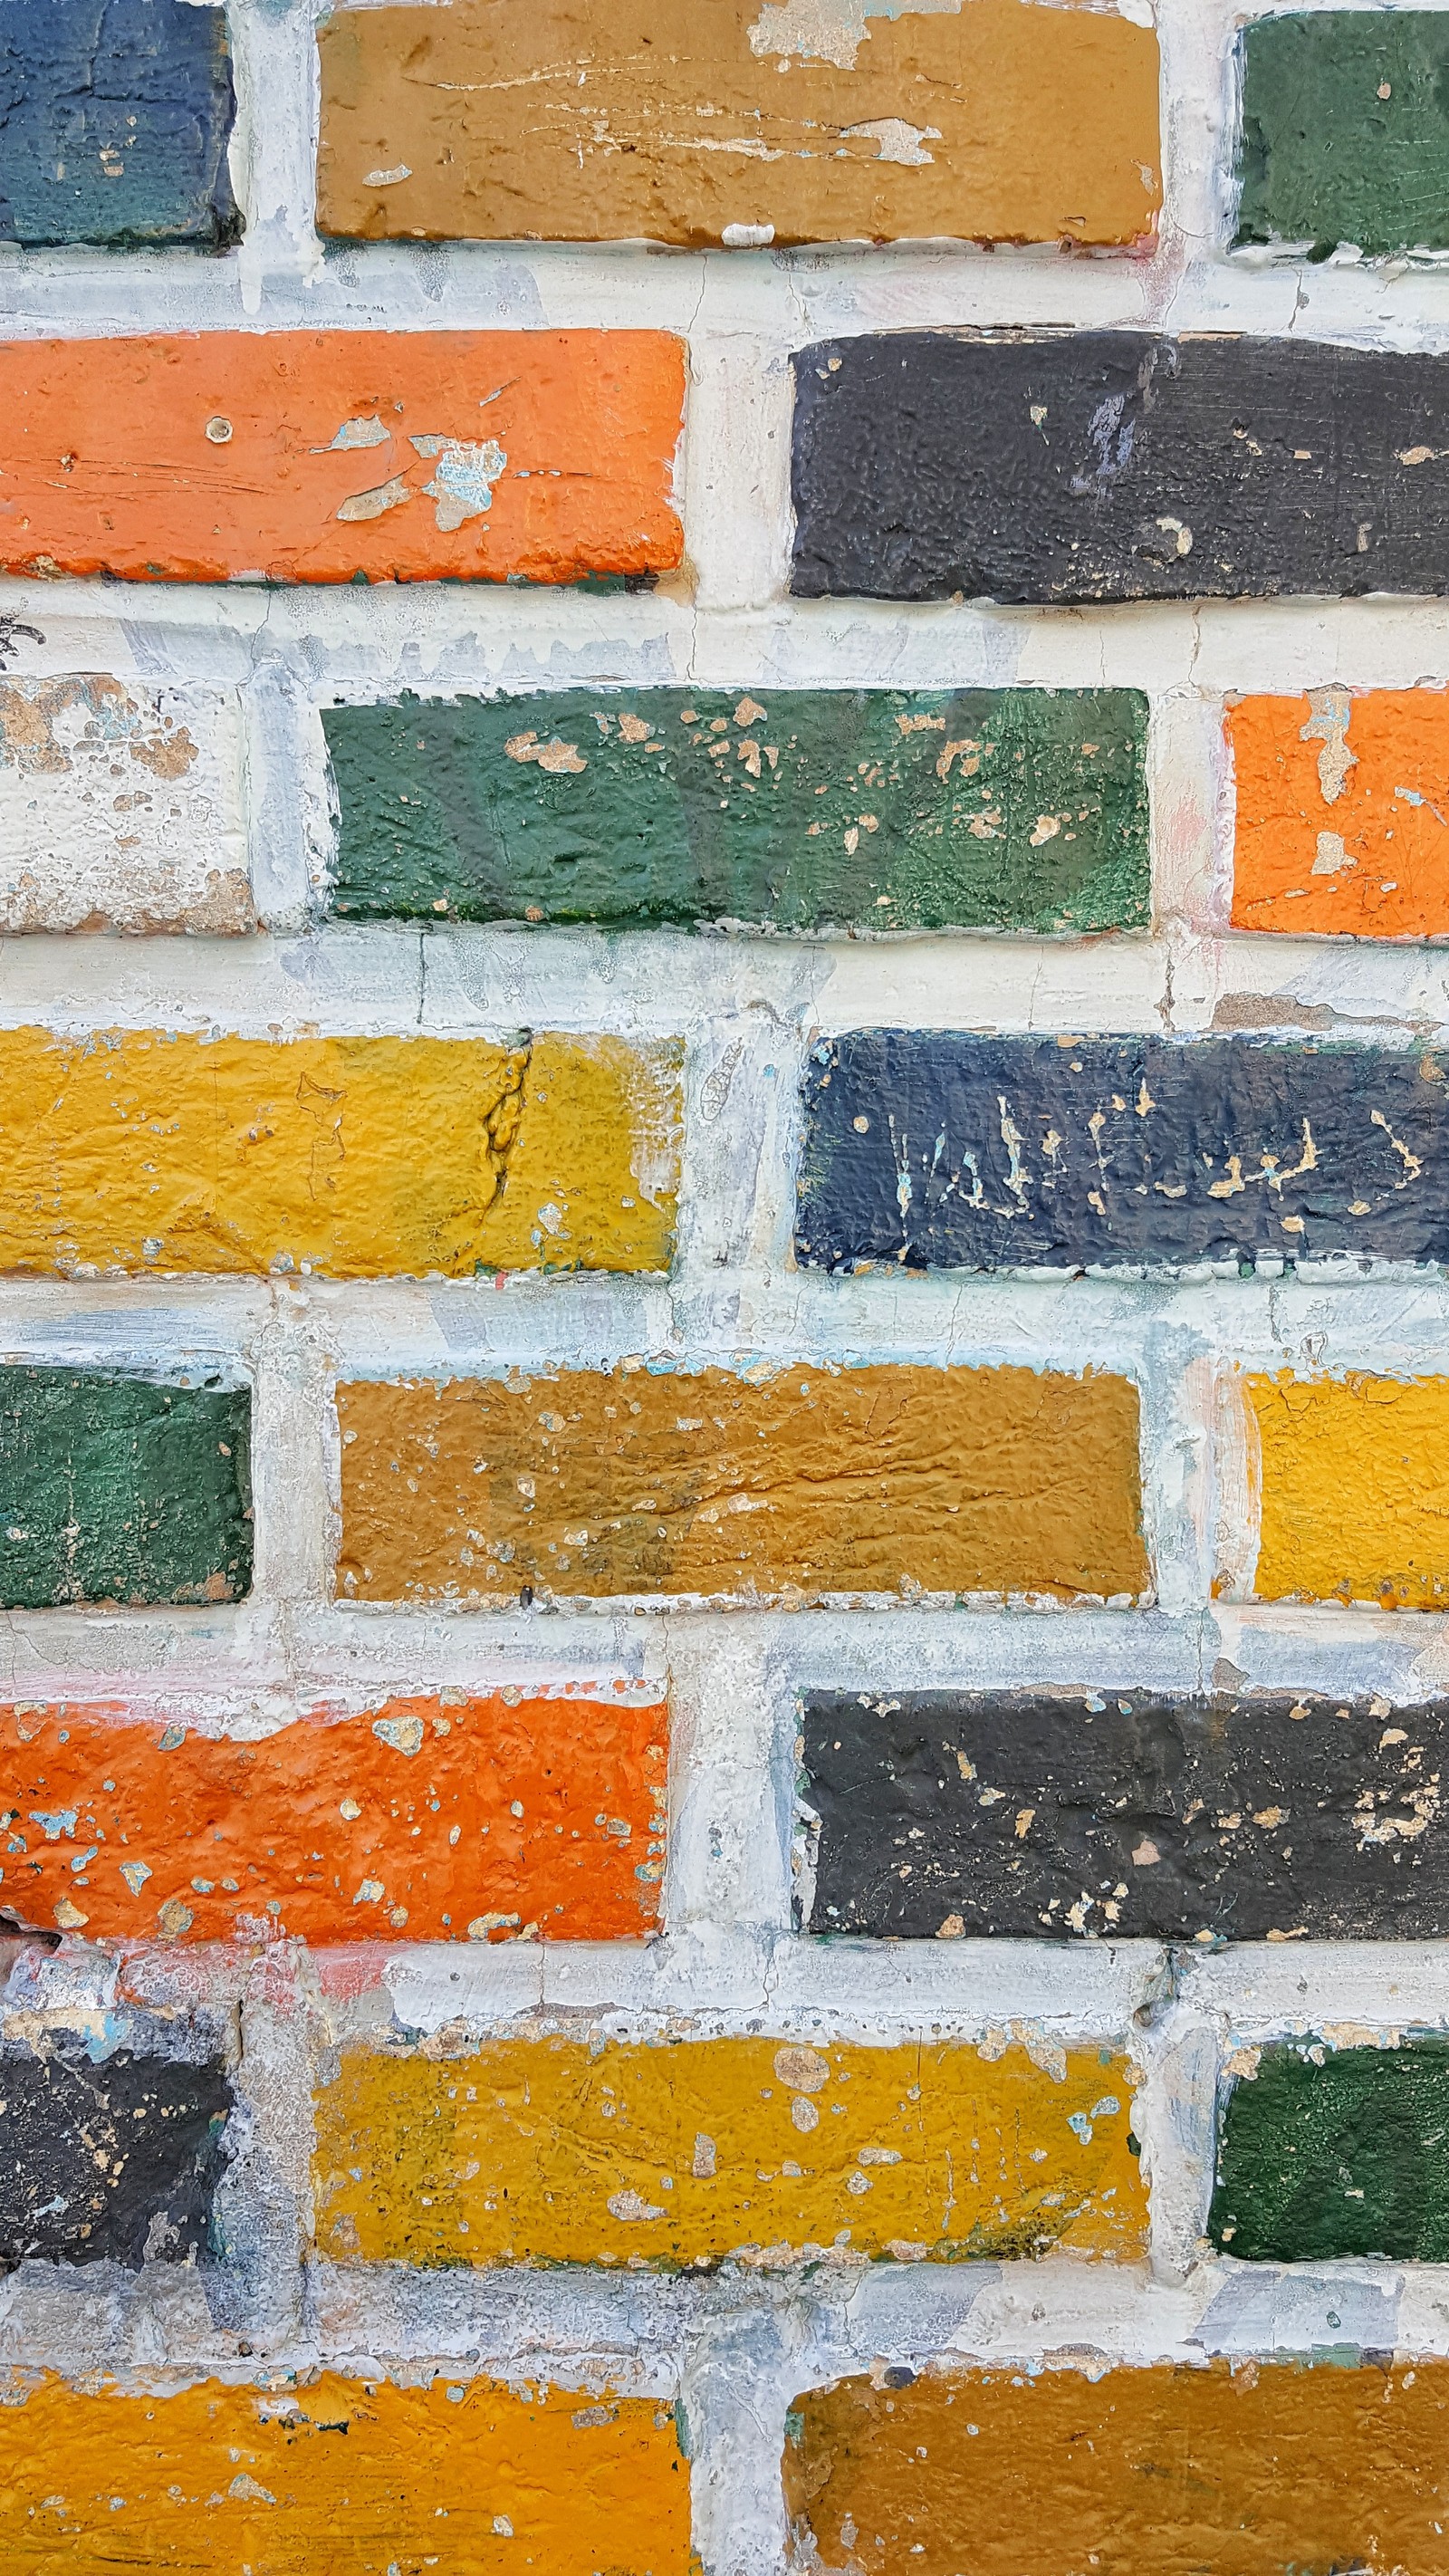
(340, 2477)
(684, 2152)
(352, 1157)
(1355, 1489)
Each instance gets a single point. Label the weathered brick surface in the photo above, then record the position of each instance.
(108, 2154)
(329, 455)
(1121, 1814)
(429, 1818)
(1345, 129)
(808, 1482)
(120, 806)
(114, 121)
(473, 124)
(688, 2152)
(1214, 468)
(118, 1489)
(1354, 1493)
(1173, 2469)
(1339, 2151)
(793, 809)
(1340, 813)
(143, 1150)
(345, 2475)
(950, 1152)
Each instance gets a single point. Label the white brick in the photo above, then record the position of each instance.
(120, 807)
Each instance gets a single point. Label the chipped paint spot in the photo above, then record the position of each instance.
(831, 31)
(365, 432)
(372, 505)
(1329, 713)
(463, 478)
(899, 142)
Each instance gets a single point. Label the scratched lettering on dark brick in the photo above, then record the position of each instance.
(1104, 465)
(939, 1151)
(1123, 1814)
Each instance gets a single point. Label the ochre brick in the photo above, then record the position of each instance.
(122, 1489)
(1342, 813)
(555, 2150)
(114, 124)
(120, 807)
(1256, 2468)
(323, 455)
(341, 2477)
(426, 1819)
(1355, 1489)
(801, 1483)
(992, 120)
(355, 1157)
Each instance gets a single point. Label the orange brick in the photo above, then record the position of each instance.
(424, 1820)
(1342, 813)
(322, 455)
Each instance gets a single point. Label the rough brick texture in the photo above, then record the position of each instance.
(1168, 2468)
(1119, 1815)
(120, 807)
(472, 124)
(115, 117)
(724, 1287)
(136, 1151)
(811, 1482)
(119, 1489)
(795, 810)
(322, 456)
(474, 1818)
(1175, 469)
(555, 2152)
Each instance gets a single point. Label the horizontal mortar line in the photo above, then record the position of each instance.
(420, 636)
(779, 300)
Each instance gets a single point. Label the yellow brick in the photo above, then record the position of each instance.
(341, 2477)
(352, 1157)
(551, 2151)
(1355, 1489)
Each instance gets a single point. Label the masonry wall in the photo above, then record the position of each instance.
(724, 1352)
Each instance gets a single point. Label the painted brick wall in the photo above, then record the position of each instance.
(724, 1365)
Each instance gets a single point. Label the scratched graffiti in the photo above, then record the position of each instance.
(952, 1152)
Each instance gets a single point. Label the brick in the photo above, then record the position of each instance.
(113, 1488)
(794, 809)
(941, 1151)
(542, 456)
(114, 122)
(856, 123)
(678, 2153)
(1340, 812)
(1345, 130)
(1106, 465)
(342, 2475)
(1137, 2472)
(1355, 1494)
(805, 1483)
(1122, 1815)
(1340, 2158)
(428, 1819)
(120, 806)
(142, 1150)
(109, 2156)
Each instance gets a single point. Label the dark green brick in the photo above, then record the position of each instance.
(115, 1489)
(789, 809)
(1344, 2158)
(1346, 130)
